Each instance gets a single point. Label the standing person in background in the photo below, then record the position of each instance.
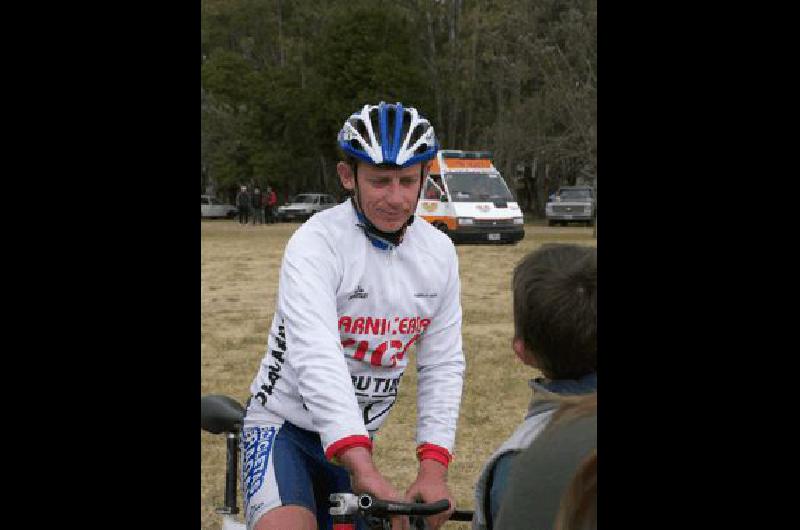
(243, 203)
(272, 201)
(256, 202)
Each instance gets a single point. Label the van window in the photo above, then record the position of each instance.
(431, 191)
(477, 187)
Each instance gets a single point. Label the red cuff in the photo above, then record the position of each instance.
(428, 451)
(339, 446)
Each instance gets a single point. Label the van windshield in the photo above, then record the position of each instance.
(477, 187)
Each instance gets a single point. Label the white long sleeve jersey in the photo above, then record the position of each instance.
(346, 315)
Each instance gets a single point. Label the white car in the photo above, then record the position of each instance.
(303, 206)
(211, 207)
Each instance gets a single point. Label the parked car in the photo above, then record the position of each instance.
(304, 205)
(572, 203)
(211, 207)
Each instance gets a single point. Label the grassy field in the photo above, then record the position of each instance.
(239, 280)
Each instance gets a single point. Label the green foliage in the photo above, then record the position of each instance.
(279, 77)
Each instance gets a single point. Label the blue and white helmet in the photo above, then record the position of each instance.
(388, 134)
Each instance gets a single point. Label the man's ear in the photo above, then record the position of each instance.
(522, 352)
(346, 175)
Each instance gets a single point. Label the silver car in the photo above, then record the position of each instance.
(211, 208)
(571, 203)
(304, 205)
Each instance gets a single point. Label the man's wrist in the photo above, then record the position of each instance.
(428, 451)
(430, 468)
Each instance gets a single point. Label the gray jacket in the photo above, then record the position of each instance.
(540, 410)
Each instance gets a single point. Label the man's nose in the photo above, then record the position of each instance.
(394, 193)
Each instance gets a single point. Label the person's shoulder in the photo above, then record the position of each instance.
(324, 232)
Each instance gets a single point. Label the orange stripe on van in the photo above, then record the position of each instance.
(455, 163)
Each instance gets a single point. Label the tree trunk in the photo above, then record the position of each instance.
(281, 51)
(434, 74)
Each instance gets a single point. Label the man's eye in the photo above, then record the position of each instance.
(408, 182)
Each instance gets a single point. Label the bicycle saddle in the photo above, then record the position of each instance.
(220, 414)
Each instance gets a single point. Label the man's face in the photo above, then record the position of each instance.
(387, 197)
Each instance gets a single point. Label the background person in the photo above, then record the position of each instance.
(243, 204)
(348, 310)
(271, 203)
(256, 206)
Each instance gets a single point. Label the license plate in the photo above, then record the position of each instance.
(567, 217)
(493, 237)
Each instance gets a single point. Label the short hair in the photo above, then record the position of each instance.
(555, 308)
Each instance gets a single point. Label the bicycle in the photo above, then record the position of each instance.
(224, 415)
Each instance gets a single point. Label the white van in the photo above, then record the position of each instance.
(466, 197)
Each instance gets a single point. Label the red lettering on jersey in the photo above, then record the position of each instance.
(372, 326)
(363, 346)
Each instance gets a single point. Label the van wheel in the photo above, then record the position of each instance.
(441, 226)
(550, 222)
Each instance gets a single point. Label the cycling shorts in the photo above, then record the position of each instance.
(284, 465)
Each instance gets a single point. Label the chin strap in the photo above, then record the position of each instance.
(379, 238)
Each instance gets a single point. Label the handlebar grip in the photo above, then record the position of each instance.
(461, 515)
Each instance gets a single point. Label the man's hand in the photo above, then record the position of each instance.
(365, 478)
(430, 486)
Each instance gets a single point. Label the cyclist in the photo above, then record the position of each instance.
(359, 284)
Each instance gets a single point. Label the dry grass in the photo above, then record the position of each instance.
(239, 273)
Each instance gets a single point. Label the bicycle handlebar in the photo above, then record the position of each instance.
(369, 505)
(366, 504)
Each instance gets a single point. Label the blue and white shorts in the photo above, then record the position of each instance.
(283, 465)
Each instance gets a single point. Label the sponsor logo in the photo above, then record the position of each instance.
(273, 375)
(359, 293)
(257, 442)
(363, 325)
(429, 206)
(426, 295)
(483, 207)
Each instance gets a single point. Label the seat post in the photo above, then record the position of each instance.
(232, 460)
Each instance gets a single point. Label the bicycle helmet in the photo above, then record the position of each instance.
(388, 134)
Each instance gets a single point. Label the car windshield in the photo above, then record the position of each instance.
(575, 195)
(477, 187)
(303, 199)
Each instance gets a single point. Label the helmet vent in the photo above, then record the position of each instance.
(362, 130)
(416, 135)
(374, 119)
(406, 123)
(390, 123)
